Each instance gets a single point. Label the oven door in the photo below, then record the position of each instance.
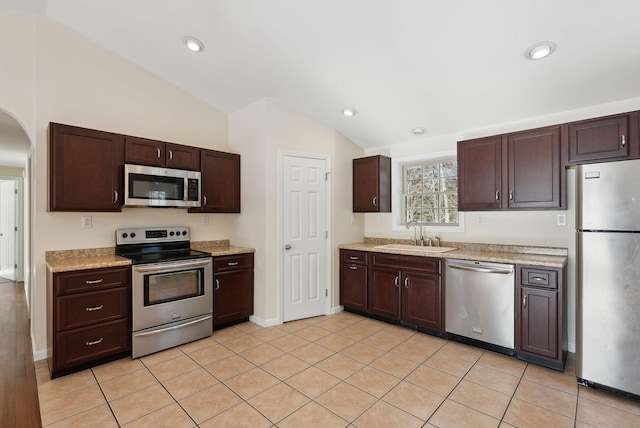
(168, 292)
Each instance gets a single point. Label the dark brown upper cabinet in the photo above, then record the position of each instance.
(220, 182)
(372, 184)
(85, 169)
(142, 151)
(522, 170)
(480, 174)
(534, 178)
(603, 139)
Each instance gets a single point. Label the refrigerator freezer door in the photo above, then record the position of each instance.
(608, 196)
(608, 298)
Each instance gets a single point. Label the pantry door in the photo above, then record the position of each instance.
(304, 236)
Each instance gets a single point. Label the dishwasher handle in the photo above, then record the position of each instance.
(481, 269)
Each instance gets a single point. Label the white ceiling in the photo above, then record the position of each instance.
(443, 65)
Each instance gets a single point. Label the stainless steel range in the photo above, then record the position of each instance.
(172, 287)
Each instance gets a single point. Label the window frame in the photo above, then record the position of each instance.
(398, 221)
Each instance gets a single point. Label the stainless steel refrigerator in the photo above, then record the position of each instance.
(608, 275)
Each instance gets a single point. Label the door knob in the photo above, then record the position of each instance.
(287, 247)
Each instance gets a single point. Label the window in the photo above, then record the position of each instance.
(430, 192)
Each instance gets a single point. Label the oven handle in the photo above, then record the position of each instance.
(170, 266)
(175, 327)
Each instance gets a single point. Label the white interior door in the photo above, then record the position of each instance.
(304, 237)
(7, 229)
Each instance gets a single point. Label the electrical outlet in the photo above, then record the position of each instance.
(86, 222)
(479, 219)
(205, 219)
(562, 220)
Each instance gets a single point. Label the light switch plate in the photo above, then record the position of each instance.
(562, 220)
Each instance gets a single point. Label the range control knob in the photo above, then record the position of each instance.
(124, 235)
(184, 232)
(171, 233)
(133, 234)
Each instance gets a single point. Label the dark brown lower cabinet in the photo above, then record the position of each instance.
(353, 280)
(232, 289)
(407, 289)
(539, 315)
(88, 317)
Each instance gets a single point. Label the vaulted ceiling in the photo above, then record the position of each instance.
(445, 66)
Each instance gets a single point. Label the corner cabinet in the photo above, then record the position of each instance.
(85, 169)
(353, 280)
(89, 318)
(540, 306)
(142, 151)
(232, 289)
(372, 184)
(522, 170)
(220, 182)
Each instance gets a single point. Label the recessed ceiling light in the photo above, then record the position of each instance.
(540, 50)
(193, 44)
(418, 131)
(349, 111)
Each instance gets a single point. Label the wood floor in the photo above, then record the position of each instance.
(18, 391)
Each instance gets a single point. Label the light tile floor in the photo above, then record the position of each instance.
(335, 371)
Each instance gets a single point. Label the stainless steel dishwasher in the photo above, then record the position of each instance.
(480, 303)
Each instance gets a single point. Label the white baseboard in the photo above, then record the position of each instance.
(263, 322)
(336, 309)
(571, 347)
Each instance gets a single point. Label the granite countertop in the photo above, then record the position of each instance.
(513, 254)
(94, 258)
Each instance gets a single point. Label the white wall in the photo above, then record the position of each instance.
(61, 77)
(259, 131)
(538, 228)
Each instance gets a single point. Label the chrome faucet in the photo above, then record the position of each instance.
(415, 230)
(436, 240)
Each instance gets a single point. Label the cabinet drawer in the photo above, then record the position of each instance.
(425, 264)
(93, 279)
(359, 257)
(237, 262)
(79, 310)
(90, 343)
(539, 278)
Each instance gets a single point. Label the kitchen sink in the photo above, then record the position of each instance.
(416, 248)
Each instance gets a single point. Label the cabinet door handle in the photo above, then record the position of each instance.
(94, 281)
(204, 199)
(95, 308)
(497, 195)
(217, 284)
(524, 301)
(623, 141)
(170, 155)
(115, 196)
(375, 201)
(353, 267)
(95, 342)
(511, 195)
(396, 281)
(406, 283)
(232, 264)
(158, 153)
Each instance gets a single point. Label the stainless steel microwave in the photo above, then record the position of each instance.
(149, 186)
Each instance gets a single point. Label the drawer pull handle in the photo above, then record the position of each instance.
(537, 278)
(232, 264)
(95, 281)
(95, 308)
(95, 342)
(353, 257)
(353, 267)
